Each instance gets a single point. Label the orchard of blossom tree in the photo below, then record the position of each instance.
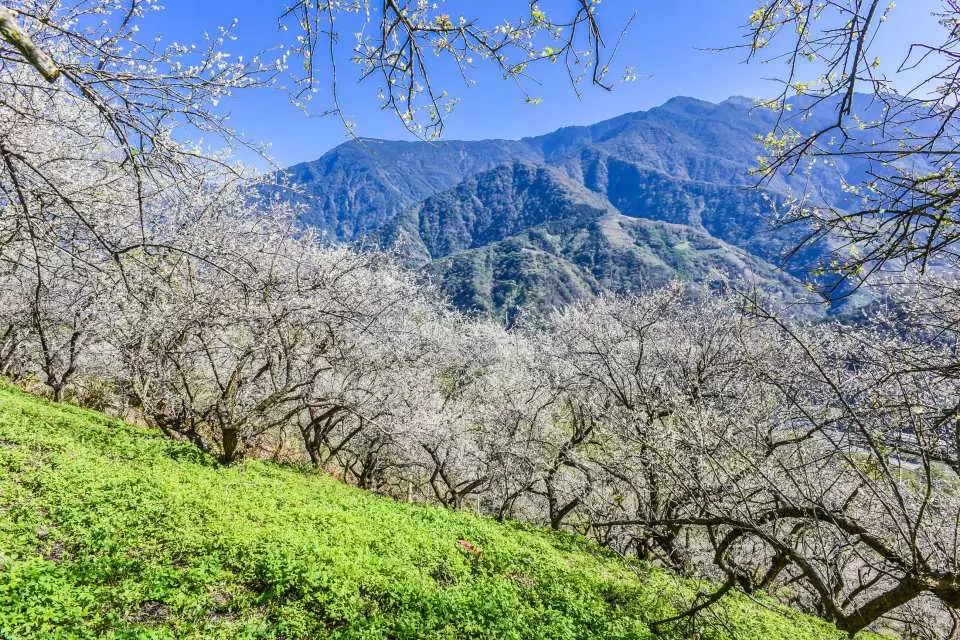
(718, 434)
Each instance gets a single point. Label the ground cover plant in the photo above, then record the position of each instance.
(108, 530)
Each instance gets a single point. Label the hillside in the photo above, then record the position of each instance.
(110, 531)
(360, 185)
(449, 207)
(562, 261)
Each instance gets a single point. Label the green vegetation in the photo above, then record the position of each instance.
(108, 530)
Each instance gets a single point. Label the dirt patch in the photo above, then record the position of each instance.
(521, 579)
(149, 612)
(55, 552)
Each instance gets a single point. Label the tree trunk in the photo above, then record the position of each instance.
(872, 610)
(230, 442)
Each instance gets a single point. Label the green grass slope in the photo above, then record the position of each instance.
(110, 531)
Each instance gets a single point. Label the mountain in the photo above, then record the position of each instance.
(625, 204)
(488, 207)
(524, 236)
(358, 186)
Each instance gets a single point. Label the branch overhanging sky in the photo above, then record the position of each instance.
(671, 46)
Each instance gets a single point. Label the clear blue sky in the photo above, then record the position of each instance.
(666, 44)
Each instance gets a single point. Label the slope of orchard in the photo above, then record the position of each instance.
(111, 531)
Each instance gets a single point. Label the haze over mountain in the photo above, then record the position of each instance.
(625, 204)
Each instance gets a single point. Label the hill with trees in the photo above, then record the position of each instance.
(734, 450)
(113, 531)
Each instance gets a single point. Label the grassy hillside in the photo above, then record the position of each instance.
(111, 531)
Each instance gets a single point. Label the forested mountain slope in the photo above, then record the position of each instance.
(508, 225)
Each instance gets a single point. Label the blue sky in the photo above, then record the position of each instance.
(667, 44)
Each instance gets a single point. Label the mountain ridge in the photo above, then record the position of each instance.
(684, 163)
